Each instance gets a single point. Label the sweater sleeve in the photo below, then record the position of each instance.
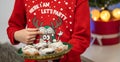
(17, 20)
(81, 33)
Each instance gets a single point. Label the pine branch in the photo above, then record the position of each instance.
(101, 3)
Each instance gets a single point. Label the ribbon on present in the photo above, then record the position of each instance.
(100, 37)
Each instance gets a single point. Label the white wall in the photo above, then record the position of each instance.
(6, 7)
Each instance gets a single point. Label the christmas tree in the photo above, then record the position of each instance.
(103, 12)
(102, 3)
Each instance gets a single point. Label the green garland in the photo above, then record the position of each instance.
(102, 3)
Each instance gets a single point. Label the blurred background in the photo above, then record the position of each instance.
(6, 7)
(105, 28)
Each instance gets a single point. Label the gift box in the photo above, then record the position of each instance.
(105, 33)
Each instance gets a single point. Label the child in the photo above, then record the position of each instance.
(71, 17)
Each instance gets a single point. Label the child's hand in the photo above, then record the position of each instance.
(26, 36)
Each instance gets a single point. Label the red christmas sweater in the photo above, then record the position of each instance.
(75, 23)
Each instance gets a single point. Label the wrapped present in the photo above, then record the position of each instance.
(105, 33)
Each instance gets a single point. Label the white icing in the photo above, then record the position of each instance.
(42, 48)
(40, 45)
(44, 51)
(55, 45)
(50, 30)
(43, 30)
(31, 51)
(27, 47)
